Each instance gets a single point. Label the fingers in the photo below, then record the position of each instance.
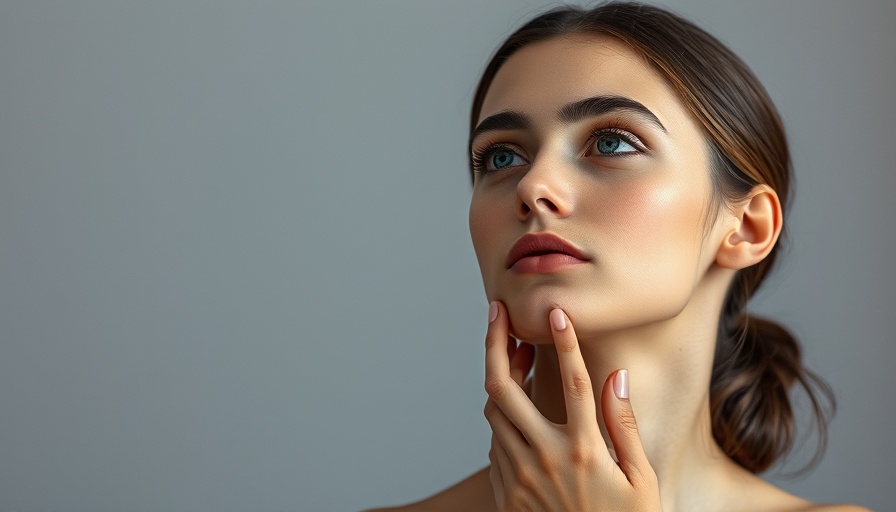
(620, 420)
(513, 482)
(495, 475)
(581, 413)
(508, 453)
(505, 431)
(499, 383)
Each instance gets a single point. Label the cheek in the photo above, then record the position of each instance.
(479, 226)
(662, 214)
(484, 230)
(656, 237)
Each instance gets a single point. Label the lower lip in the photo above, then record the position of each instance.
(545, 263)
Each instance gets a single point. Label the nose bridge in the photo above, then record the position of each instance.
(544, 187)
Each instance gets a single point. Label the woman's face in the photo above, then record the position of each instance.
(580, 141)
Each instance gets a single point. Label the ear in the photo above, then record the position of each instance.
(757, 223)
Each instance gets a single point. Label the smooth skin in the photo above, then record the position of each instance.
(635, 197)
(540, 465)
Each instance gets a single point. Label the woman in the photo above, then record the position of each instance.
(630, 178)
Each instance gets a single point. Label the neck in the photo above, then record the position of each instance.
(669, 364)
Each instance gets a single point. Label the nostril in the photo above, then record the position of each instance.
(547, 204)
(539, 197)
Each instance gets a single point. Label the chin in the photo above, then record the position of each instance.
(591, 315)
(529, 315)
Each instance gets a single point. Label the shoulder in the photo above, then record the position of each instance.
(755, 493)
(837, 508)
(472, 493)
(822, 507)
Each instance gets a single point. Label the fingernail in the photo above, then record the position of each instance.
(492, 312)
(620, 384)
(558, 319)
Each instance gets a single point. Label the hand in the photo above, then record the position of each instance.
(540, 465)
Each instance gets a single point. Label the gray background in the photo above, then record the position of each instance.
(235, 272)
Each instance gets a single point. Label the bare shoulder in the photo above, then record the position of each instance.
(807, 506)
(838, 508)
(473, 493)
(754, 493)
(801, 505)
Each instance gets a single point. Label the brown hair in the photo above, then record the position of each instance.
(757, 361)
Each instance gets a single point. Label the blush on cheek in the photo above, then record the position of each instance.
(683, 209)
(655, 212)
(654, 247)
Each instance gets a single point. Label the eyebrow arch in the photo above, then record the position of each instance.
(598, 105)
(507, 120)
(569, 113)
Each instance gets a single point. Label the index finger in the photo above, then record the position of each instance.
(499, 383)
(578, 391)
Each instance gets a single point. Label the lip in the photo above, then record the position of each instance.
(542, 252)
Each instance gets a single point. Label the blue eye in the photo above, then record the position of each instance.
(503, 158)
(611, 144)
(496, 158)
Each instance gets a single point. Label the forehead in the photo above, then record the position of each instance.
(543, 76)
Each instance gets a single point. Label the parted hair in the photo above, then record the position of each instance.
(757, 362)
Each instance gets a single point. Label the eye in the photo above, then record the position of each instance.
(496, 158)
(614, 142)
(503, 158)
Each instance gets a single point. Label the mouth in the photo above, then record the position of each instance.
(542, 252)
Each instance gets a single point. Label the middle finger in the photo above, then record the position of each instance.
(578, 392)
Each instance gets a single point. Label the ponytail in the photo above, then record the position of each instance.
(757, 363)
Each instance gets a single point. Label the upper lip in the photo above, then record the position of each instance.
(536, 244)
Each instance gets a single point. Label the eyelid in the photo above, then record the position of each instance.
(626, 135)
(490, 144)
(487, 147)
(478, 155)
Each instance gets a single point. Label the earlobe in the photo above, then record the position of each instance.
(758, 223)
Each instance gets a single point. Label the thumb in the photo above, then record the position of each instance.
(623, 429)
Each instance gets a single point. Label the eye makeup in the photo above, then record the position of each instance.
(612, 132)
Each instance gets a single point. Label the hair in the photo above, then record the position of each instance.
(757, 361)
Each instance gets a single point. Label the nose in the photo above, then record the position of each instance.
(544, 192)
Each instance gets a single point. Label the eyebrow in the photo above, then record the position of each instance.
(569, 113)
(598, 105)
(507, 120)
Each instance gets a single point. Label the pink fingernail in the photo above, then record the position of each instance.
(558, 319)
(620, 384)
(492, 312)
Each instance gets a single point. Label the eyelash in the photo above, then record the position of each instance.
(479, 156)
(626, 136)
